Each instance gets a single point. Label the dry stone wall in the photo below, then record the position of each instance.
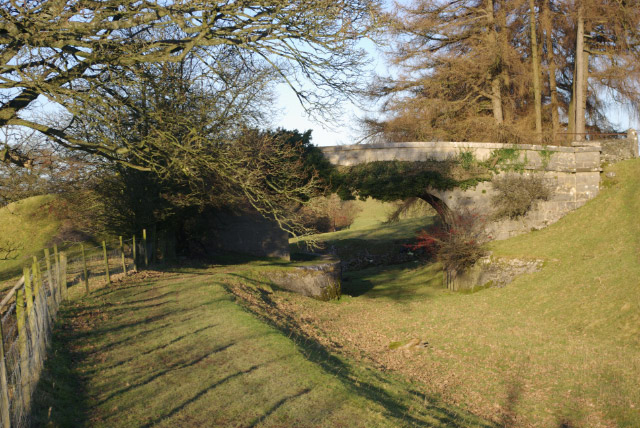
(615, 150)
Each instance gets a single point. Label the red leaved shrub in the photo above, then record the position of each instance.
(458, 245)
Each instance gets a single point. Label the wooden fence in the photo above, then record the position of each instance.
(28, 311)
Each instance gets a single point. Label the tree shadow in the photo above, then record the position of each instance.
(277, 405)
(387, 282)
(356, 380)
(356, 287)
(199, 394)
(169, 368)
(152, 350)
(136, 337)
(60, 395)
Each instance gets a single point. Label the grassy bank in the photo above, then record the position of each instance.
(27, 226)
(175, 350)
(556, 348)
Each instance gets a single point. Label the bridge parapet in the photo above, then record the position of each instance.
(533, 157)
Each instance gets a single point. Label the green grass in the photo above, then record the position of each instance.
(176, 350)
(559, 346)
(29, 225)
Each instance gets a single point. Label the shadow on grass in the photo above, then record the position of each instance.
(179, 312)
(368, 384)
(60, 396)
(137, 336)
(398, 282)
(170, 368)
(277, 405)
(201, 393)
(356, 287)
(10, 274)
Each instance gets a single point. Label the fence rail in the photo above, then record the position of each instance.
(28, 311)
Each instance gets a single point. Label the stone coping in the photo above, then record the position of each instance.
(460, 145)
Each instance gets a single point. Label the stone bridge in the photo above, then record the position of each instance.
(573, 173)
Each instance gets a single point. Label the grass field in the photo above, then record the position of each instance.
(556, 348)
(176, 350)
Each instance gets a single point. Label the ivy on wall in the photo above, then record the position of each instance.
(398, 180)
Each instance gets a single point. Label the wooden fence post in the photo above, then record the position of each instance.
(35, 270)
(124, 264)
(25, 394)
(84, 267)
(47, 259)
(106, 263)
(29, 294)
(37, 319)
(50, 298)
(134, 255)
(63, 274)
(4, 386)
(154, 244)
(145, 247)
(56, 260)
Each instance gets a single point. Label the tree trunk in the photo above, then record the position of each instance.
(553, 89)
(579, 77)
(585, 90)
(496, 100)
(496, 94)
(535, 63)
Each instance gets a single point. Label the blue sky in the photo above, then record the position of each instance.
(344, 129)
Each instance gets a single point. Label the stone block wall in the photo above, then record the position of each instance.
(246, 233)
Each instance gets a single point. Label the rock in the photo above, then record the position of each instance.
(319, 280)
(411, 345)
(610, 174)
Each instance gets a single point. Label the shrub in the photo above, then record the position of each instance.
(467, 159)
(456, 246)
(328, 214)
(517, 193)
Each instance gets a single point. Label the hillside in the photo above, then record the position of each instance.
(27, 225)
(559, 347)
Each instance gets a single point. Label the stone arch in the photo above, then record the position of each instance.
(442, 209)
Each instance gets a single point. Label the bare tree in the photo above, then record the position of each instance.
(459, 69)
(67, 51)
(472, 69)
(535, 67)
(202, 147)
